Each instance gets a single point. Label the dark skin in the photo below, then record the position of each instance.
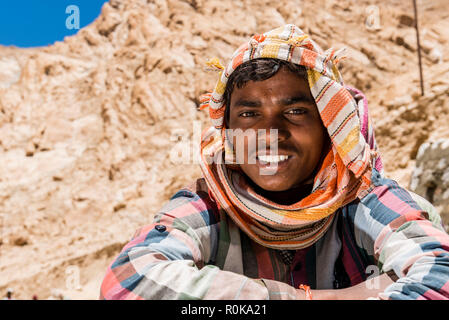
(284, 102)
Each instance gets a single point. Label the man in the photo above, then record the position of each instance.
(293, 203)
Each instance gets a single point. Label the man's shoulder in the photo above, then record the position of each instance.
(197, 186)
(388, 200)
(193, 191)
(192, 203)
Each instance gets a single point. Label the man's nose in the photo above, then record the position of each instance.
(273, 128)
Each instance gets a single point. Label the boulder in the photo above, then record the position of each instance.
(430, 177)
(406, 20)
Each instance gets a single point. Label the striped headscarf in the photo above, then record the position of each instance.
(345, 174)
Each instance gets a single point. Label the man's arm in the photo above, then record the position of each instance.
(394, 228)
(370, 288)
(148, 268)
(169, 259)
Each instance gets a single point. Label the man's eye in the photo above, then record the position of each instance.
(297, 111)
(246, 114)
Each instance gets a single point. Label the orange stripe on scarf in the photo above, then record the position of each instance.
(308, 58)
(334, 106)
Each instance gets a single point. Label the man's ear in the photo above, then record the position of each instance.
(328, 142)
(327, 146)
(226, 117)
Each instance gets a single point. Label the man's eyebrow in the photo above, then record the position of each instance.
(247, 103)
(292, 100)
(241, 103)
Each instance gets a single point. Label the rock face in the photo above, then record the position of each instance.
(88, 126)
(430, 178)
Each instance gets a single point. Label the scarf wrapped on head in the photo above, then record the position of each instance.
(345, 174)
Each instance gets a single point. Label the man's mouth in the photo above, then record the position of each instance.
(272, 159)
(272, 164)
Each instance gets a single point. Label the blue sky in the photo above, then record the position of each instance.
(35, 23)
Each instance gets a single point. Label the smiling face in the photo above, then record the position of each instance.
(282, 102)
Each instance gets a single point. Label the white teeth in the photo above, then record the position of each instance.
(274, 159)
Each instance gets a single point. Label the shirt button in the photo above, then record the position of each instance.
(160, 228)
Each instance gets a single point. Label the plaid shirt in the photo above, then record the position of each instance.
(192, 250)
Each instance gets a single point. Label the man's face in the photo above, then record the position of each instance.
(282, 102)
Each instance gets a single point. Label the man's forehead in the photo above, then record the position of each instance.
(284, 85)
(257, 100)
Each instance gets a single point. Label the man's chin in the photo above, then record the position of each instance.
(270, 183)
(273, 187)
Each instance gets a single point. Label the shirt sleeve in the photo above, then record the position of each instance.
(172, 258)
(406, 242)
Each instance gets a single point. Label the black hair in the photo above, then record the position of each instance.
(257, 70)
